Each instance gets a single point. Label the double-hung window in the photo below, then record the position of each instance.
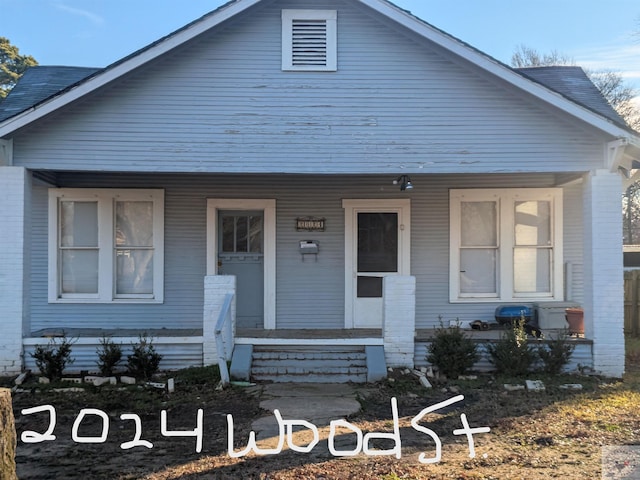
(106, 245)
(506, 244)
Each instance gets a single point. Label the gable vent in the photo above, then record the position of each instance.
(309, 43)
(309, 40)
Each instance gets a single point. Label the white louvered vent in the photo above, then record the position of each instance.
(309, 40)
(309, 43)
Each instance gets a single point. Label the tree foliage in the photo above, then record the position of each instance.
(12, 65)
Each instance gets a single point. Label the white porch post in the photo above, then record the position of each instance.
(216, 288)
(603, 271)
(399, 320)
(15, 188)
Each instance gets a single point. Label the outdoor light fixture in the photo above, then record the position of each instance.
(404, 181)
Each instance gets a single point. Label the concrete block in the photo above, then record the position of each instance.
(511, 387)
(21, 378)
(127, 380)
(44, 380)
(571, 386)
(535, 385)
(425, 383)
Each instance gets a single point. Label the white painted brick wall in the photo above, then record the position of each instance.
(399, 320)
(13, 192)
(604, 280)
(216, 288)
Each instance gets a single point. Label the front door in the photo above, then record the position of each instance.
(241, 253)
(377, 235)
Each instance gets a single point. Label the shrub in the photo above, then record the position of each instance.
(53, 358)
(511, 355)
(555, 354)
(109, 356)
(144, 362)
(452, 351)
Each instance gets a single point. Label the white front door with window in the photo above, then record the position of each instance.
(377, 244)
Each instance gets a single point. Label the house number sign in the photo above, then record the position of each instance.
(310, 224)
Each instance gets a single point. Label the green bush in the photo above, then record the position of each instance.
(452, 352)
(144, 362)
(555, 354)
(109, 356)
(53, 358)
(512, 355)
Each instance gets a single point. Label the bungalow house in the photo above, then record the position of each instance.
(318, 176)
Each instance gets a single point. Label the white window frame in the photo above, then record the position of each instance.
(106, 199)
(331, 18)
(505, 200)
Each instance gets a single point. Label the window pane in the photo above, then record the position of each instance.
(79, 224)
(377, 242)
(79, 271)
(532, 270)
(478, 270)
(242, 230)
(370, 287)
(479, 224)
(134, 224)
(255, 234)
(134, 272)
(533, 223)
(228, 233)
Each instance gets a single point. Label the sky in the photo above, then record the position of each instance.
(95, 33)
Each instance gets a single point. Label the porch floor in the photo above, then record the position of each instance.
(426, 334)
(310, 334)
(117, 332)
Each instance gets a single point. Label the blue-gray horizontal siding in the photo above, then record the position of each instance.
(222, 104)
(309, 293)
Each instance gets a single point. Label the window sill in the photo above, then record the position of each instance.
(106, 302)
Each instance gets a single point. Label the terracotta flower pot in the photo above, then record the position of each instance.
(575, 319)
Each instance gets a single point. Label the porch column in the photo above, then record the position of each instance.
(603, 271)
(399, 320)
(15, 193)
(216, 288)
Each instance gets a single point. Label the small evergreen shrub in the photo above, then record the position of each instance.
(53, 358)
(452, 351)
(144, 362)
(555, 354)
(109, 356)
(511, 355)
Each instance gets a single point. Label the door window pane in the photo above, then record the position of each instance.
(370, 287)
(377, 242)
(241, 233)
(478, 271)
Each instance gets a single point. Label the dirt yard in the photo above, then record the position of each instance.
(555, 433)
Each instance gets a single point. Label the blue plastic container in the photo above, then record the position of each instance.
(508, 313)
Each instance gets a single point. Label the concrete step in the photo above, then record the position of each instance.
(320, 364)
